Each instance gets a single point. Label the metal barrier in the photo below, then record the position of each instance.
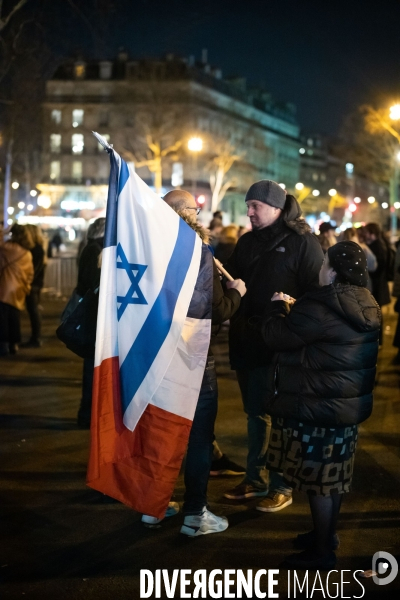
(61, 276)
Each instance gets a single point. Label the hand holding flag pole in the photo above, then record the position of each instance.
(222, 270)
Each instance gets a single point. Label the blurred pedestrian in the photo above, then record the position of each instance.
(377, 243)
(215, 229)
(54, 245)
(227, 242)
(320, 386)
(279, 253)
(89, 279)
(16, 275)
(396, 294)
(33, 298)
(327, 236)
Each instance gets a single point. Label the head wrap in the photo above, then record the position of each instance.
(350, 263)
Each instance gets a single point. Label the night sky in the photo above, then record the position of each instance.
(326, 56)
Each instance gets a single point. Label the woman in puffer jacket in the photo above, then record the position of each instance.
(320, 388)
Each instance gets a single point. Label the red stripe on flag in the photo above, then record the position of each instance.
(139, 467)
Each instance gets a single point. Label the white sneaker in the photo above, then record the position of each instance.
(172, 510)
(207, 522)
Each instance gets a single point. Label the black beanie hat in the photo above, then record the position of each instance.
(350, 263)
(267, 191)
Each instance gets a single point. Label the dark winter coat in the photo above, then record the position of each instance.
(283, 257)
(88, 268)
(323, 372)
(380, 287)
(38, 266)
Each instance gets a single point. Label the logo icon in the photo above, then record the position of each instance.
(383, 562)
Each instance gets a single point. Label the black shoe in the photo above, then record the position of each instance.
(308, 559)
(305, 541)
(32, 344)
(224, 466)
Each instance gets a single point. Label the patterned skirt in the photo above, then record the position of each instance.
(316, 460)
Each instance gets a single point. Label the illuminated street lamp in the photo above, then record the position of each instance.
(332, 192)
(33, 193)
(282, 185)
(10, 210)
(15, 185)
(195, 145)
(299, 186)
(394, 112)
(30, 207)
(357, 200)
(21, 205)
(371, 199)
(385, 205)
(316, 192)
(352, 207)
(397, 205)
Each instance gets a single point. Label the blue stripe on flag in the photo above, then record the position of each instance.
(158, 323)
(114, 189)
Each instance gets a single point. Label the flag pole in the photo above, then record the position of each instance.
(222, 270)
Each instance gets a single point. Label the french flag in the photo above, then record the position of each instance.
(153, 333)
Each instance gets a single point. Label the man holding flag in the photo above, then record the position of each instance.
(153, 334)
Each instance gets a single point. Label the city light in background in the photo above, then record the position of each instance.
(332, 192)
(283, 186)
(316, 192)
(195, 144)
(385, 205)
(201, 199)
(21, 205)
(394, 112)
(357, 200)
(33, 193)
(371, 199)
(15, 185)
(299, 186)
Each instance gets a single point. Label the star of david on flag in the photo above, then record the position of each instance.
(135, 273)
(150, 354)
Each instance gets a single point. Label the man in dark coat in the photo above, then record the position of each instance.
(224, 303)
(280, 253)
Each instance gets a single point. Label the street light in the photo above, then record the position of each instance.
(394, 112)
(385, 205)
(332, 192)
(316, 192)
(299, 186)
(33, 193)
(21, 205)
(195, 145)
(10, 210)
(15, 185)
(282, 185)
(357, 200)
(371, 199)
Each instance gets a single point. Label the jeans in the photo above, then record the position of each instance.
(32, 306)
(200, 447)
(253, 386)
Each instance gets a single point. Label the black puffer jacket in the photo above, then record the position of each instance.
(327, 347)
(283, 257)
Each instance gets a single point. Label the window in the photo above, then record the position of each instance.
(315, 176)
(103, 118)
(106, 136)
(80, 70)
(77, 117)
(55, 143)
(56, 116)
(55, 170)
(105, 69)
(77, 143)
(77, 170)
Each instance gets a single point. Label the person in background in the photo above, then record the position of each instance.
(242, 230)
(320, 386)
(326, 236)
(227, 242)
(89, 278)
(16, 275)
(215, 229)
(33, 298)
(377, 243)
(396, 294)
(351, 235)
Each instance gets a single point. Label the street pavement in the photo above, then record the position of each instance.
(61, 540)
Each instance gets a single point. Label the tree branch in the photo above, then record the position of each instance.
(4, 22)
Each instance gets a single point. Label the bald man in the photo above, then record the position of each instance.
(198, 520)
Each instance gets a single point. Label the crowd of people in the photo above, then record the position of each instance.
(305, 328)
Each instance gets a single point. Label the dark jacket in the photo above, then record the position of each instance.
(38, 266)
(380, 287)
(327, 348)
(283, 257)
(88, 268)
(210, 299)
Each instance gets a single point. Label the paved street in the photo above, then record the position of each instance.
(62, 540)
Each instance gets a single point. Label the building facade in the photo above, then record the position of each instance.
(149, 110)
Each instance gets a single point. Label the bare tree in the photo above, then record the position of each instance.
(156, 135)
(225, 155)
(5, 19)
